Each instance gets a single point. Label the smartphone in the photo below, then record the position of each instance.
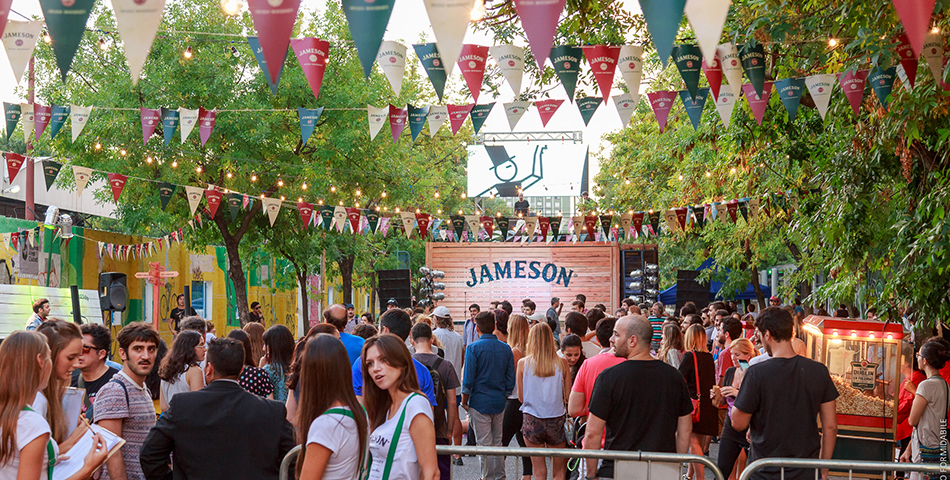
(744, 364)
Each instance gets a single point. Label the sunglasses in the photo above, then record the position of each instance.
(87, 348)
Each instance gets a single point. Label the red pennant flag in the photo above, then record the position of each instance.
(539, 20)
(14, 162)
(458, 114)
(15, 240)
(590, 224)
(117, 182)
(547, 108)
(312, 53)
(397, 121)
(852, 83)
(637, 224)
(713, 71)
(488, 223)
(41, 117)
(353, 214)
(756, 103)
(214, 201)
(544, 223)
(206, 123)
(274, 22)
(681, 216)
(472, 63)
(603, 64)
(306, 213)
(905, 51)
(915, 16)
(662, 102)
(423, 220)
(161, 244)
(138, 250)
(731, 208)
(151, 119)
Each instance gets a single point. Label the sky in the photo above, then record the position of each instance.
(409, 21)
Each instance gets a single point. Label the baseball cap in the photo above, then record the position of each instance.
(774, 299)
(392, 301)
(536, 317)
(348, 305)
(442, 311)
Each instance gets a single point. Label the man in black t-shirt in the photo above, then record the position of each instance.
(522, 206)
(256, 315)
(93, 372)
(780, 399)
(177, 313)
(654, 419)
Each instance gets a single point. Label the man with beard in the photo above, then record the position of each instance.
(124, 405)
(655, 419)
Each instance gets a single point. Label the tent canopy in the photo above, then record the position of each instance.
(668, 296)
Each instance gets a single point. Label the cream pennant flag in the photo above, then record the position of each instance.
(272, 208)
(510, 60)
(725, 104)
(339, 218)
(933, 53)
(436, 117)
(722, 212)
(731, 67)
(449, 20)
(187, 120)
(194, 195)
(530, 225)
(707, 18)
(577, 227)
(630, 63)
(137, 22)
(514, 111)
(100, 249)
(474, 223)
(19, 40)
(626, 221)
(392, 60)
(408, 220)
(26, 117)
(78, 117)
(754, 204)
(625, 107)
(671, 220)
(820, 87)
(82, 175)
(377, 118)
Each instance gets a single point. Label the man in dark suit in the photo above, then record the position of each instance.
(220, 431)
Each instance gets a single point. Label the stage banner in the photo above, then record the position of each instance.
(165, 192)
(206, 119)
(707, 18)
(436, 117)
(117, 182)
(663, 19)
(603, 64)
(262, 63)
(14, 163)
(81, 174)
(170, 121)
(514, 111)
(790, 91)
(712, 68)
(449, 20)
(312, 54)
(915, 16)
(58, 118)
(151, 118)
(819, 87)
(587, 107)
(326, 216)
(19, 40)
(137, 22)
(392, 60)
(187, 119)
(472, 64)
(50, 172)
(66, 23)
(11, 113)
(397, 121)
(433, 64)
(694, 106)
(689, 61)
(480, 114)
(510, 60)
(757, 103)
(731, 68)
(753, 63)
(567, 64)
(41, 117)
(194, 195)
(625, 107)
(546, 109)
(852, 83)
(457, 115)
(377, 117)
(308, 121)
(882, 82)
(417, 119)
(662, 102)
(539, 19)
(272, 207)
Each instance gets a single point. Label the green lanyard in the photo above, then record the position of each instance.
(347, 413)
(395, 441)
(50, 451)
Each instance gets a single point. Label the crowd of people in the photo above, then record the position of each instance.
(371, 399)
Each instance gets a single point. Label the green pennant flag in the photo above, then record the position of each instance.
(417, 119)
(308, 121)
(372, 217)
(689, 61)
(698, 214)
(50, 171)
(555, 228)
(458, 226)
(368, 20)
(57, 119)
(567, 64)
(655, 222)
(11, 111)
(165, 192)
(790, 91)
(504, 225)
(663, 20)
(587, 106)
(744, 209)
(479, 115)
(753, 64)
(234, 204)
(170, 120)
(882, 81)
(66, 22)
(326, 214)
(431, 60)
(782, 203)
(605, 221)
(694, 106)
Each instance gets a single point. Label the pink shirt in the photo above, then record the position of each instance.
(590, 369)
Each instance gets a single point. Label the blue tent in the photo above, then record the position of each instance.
(668, 296)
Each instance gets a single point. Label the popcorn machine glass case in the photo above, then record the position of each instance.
(863, 358)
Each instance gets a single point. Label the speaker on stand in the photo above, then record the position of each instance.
(113, 293)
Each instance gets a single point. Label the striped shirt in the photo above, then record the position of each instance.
(138, 413)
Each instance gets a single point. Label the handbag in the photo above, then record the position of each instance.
(697, 399)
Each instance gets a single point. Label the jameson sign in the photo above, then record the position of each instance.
(550, 273)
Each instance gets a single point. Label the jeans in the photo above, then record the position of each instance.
(512, 428)
(488, 430)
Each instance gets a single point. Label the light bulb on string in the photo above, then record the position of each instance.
(175, 164)
(708, 174)
(231, 7)
(187, 53)
(498, 214)
(46, 38)
(377, 208)
(460, 211)
(436, 194)
(332, 188)
(479, 11)
(463, 195)
(122, 152)
(102, 44)
(357, 204)
(733, 171)
(299, 199)
(832, 42)
(341, 203)
(198, 169)
(253, 178)
(383, 194)
(320, 202)
(304, 186)
(148, 159)
(439, 211)
(627, 181)
(358, 192)
(98, 145)
(282, 198)
(229, 175)
(933, 30)
(397, 209)
(680, 177)
(417, 210)
(280, 182)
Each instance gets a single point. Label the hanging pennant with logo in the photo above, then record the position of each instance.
(688, 60)
(170, 120)
(474, 226)
(587, 107)
(312, 54)
(272, 207)
(662, 102)
(4, 14)
(707, 17)
(354, 215)
(605, 221)
(19, 40)
(436, 117)
(194, 195)
(457, 115)
(637, 221)
(731, 68)
(905, 52)
(392, 60)
(472, 63)
(590, 226)
(790, 91)
(408, 221)
(367, 20)
(625, 107)
(510, 60)
(27, 121)
(165, 192)
(423, 219)
(626, 222)
(852, 83)
(539, 19)
(57, 119)
(757, 103)
(933, 53)
(274, 22)
(377, 117)
(417, 119)
(372, 218)
(117, 182)
(547, 109)
(308, 121)
(753, 64)
(206, 119)
(306, 213)
(11, 112)
(504, 224)
(819, 87)
(214, 200)
(488, 223)
(66, 23)
(655, 222)
(326, 216)
(431, 60)
(255, 45)
(915, 16)
(567, 65)
(630, 63)
(78, 117)
(458, 226)
(41, 115)
(694, 105)
(712, 67)
(697, 212)
(663, 19)
(137, 22)
(882, 82)
(81, 175)
(50, 172)
(14, 163)
(603, 63)
(150, 121)
(397, 121)
(514, 111)
(480, 114)
(449, 20)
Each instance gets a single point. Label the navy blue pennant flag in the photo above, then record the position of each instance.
(790, 90)
(308, 121)
(694, 106)
(170, 120)
(417, 119)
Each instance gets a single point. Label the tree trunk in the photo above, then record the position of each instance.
(235, 268)
(758, 288)
(305, 307)
(346, 274)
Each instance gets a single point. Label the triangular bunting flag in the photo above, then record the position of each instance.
(480, 114)
(41, 116)
(731, 68)
(194, 195)
(422, 219)
(170, 121)
(50, 172)
(603, 64)
(514, 111)
(790, 91)
(852, 83)
(81, 174)
(377, 117)
(567, 64)
(547, 108)
(234, 204)
(274, 22)
(457, 115)
(397, 121)
(272, 207)
(367, 25)
(431, 60)
(27, 120)
(151, 118)
(757, 103)
(510, 60)
(436, 117)
(587, 107)
(392, 60)
(117, 182)
(630, 63)
(312, 54)
(11, 113)
(165, 192)
(882, 81)
(472, 63)
(707, 17)
(354, 215)
(417, 119)
(214, 200)
(694, 107)
(66, 23)
(663, 20)
(933, 53)
(712, 67)
(905, 52)
(689, 61)
(662, 102)
(539, 20)
(915, 16)
(14, 163)
(326, 217)
(408, 222)
(306, 213)
(308, 121)
(206, 120)
(57, 119)
(137, 22)
(819, 87)
(449, 21)
(19, 40)
(625, 107)
(187, 119)
(753, 64)
(258, 51)
(78, 116)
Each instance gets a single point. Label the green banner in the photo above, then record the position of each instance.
(57, 119)
(367, 20)
(504, 225)
(326, 215)
(753, 64)
(663, 20)
(882, 82)
(372, 217)
(11, 111)
(689, 62)
(431, 60)
(458, 226)
(587, 106)
(790, 91)
(744, 208)
(698, 215)
(308, 121)
(555, 228)
(479, 115)
(694, 106)
(66, 23)
(234, 204)
(170, 120)
(655, 222)
(165, 192)
(50, 171)
(417, 119)
(605, 221)
(262, 63)
(567, 64)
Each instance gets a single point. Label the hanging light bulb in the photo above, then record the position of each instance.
(299, 199)
(320, 202)
(198, 169)
(439, 211)
(832, 42)
(681, 177)
(341, 203)
(397, 209)
(498, 214)
(332, 188)
(229, 175)
(377, 208)
(102, 44)
(98, 145)
(708, 174)
(282, 198)
(304, 186)
(383, 194)
(463, 195)
(436, 194)
(627, 181)
(280, 182)
(733, 171)
(479, 11)
(187, 53)
(148, 159)
(46, 38)
(231, 7)
(253, 177)
(234, 51)
(358, 192)
(122, 152)
(175, 164)
(460, 211)
(417, 210)
(357, 205)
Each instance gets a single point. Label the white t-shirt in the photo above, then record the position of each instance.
(405, 463)
(29, 426)
(590, 349)
(338, 434)
(453, 347)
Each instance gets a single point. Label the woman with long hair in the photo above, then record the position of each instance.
(253, 379)
(733, 445)
(332, 428)
(27, 449)
(512, 421)
(928, 414)
(572, 349)
(180, 370)
(293, 379)
(543, 387)
(698, 365)
(65, 346)
(402, 442)
(278, 355)
(255, 332)
(671, 346)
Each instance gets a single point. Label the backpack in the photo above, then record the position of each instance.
(438, 387)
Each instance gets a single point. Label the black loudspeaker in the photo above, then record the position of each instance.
(113, 291)
(394, 284)
(689, 290)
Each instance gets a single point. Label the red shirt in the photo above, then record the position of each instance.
(584, 383)
(904, 401)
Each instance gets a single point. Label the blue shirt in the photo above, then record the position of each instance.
(353, 344)
(489, 375)
(469, 332)
(422, 373)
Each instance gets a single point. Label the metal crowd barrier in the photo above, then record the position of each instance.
(851, 466)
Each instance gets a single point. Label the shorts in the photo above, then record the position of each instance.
(543, 431)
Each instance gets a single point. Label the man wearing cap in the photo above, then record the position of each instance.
(391, 304)
(351, 320)
(775, 301)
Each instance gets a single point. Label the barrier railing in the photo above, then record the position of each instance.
(851, 466)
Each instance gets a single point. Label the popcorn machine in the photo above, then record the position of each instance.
(863, 359)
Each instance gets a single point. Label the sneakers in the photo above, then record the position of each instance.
(458, 462)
